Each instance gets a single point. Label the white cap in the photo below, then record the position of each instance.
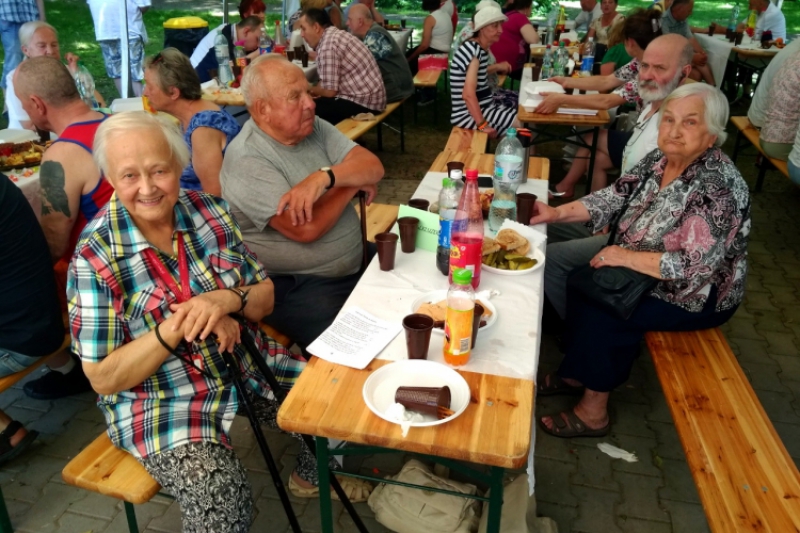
(486, 3)
(488, 15)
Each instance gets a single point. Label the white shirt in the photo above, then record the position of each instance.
(442, 33)
(585, 18)
(758, 107)
(108, 22)
(206, 44)
(771, 19)
(15, 112)
(643, 141)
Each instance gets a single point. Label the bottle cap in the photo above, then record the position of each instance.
(472, 174)
(511, 132)
(462, 276)
(456, 175)
(446, 182)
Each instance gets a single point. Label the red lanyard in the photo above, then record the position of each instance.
(184, 292)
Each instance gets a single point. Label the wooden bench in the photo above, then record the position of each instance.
(463, 140)
(353, 129)
(745, 477)
(428, 79)
(749, 133)
(104, 468)
(380, 218)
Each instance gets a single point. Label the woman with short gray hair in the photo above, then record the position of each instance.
(172, 86)
(152, 287)
(680, 219)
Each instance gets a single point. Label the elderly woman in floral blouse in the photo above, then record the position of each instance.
(686, 224)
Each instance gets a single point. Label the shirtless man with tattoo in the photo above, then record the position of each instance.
(72, 188)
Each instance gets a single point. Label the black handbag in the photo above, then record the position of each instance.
(616, 289)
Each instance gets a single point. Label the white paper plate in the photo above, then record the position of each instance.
(380, 387)
(535, 253)
(438, 296)
(18, 136)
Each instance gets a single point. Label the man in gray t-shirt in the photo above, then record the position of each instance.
(290, 178)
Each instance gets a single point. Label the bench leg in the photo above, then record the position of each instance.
(130, 513)
(495, 501)
(736, 146)
(436, 106)
(5, 520)
(403, 127)
(761, 173)
(380, 137)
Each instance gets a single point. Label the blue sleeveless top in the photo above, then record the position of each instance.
(218, 120)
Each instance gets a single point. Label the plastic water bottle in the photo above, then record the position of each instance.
(280, 38)
(560, 60)
(466, 232)
(224, 72)
(458, 319)
(448, 203)
(508, 159)
(562, 19)
(587, 63)
(547, 64)
(734, 20)
(264, 43)
(85, 84)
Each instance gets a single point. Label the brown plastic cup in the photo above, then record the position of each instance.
(738, 38)
(454, 165)
(425, 400)
(525, 203)
(403, 23)
(299, 50)
(304, 59)
(418, 335)
(387, 249)
(711, 29)
(290, 55)
(419, 203)
(408, 233)
(476, 323)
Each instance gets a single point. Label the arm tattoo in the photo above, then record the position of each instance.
(54, 196)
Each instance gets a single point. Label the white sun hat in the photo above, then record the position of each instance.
(488, 15)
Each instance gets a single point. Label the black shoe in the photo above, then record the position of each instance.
(55, 385)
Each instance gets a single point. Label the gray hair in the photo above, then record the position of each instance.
(687, 54)
(27, 30)
(133, 122)
(252, 84)
(715, 107)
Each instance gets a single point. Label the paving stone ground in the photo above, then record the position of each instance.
(582, 489)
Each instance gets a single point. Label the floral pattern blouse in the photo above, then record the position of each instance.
(629, 90)
(700, 223)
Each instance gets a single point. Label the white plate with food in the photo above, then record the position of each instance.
(434, 304)
(510, 254)
(380, 388)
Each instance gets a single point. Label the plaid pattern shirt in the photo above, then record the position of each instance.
(346, 65)
(115, 296)
(19, 10)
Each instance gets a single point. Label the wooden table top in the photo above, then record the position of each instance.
(561, 119)
(495, 429)
(235, 99)
(538, 167)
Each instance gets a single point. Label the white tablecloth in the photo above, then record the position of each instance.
(509, 348)
(719, 50)
(29, 186)
(402, 37)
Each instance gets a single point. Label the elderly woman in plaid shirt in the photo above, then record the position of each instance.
(151, 287)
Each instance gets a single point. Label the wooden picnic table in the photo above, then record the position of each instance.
(494, 430)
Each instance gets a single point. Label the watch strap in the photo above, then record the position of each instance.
(330, 175)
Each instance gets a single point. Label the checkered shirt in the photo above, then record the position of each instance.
(19, 10)
(346, 65)
(115, 296)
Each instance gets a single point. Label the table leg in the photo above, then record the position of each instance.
(323, 472)
(593, 151)
(495, 500)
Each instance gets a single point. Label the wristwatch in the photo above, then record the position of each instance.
(242, 294)
(330, 175)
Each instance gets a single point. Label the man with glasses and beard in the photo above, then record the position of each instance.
(660, 72)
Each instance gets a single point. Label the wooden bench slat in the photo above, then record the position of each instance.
(752, 134)
(102, 467)
(464, 140)
(353, 129)
(745, 477)
(380, 218)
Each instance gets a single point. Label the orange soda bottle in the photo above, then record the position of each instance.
(458, 318)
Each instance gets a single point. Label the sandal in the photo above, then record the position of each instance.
(9, 452)
(555, 386)
(572, 427)
(357, 490)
